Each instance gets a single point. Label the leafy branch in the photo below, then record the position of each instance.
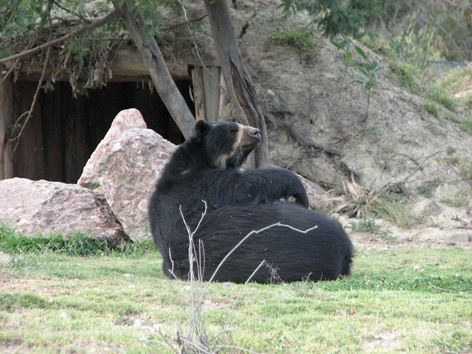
(112, 15)
(346, 44)
(370, 71)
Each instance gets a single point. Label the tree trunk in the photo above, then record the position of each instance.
(238, 82)
(6, 116)
(165, 85)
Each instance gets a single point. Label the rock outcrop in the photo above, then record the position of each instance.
(54, 207)
(125, 167)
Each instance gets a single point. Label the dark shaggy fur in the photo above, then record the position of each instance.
(206, 168)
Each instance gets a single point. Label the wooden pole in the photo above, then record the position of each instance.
(6, 117)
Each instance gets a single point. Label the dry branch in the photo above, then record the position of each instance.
(112, 15)
(239, 84)
(300, 138)
(158, 71)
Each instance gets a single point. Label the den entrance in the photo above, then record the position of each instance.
(64, 130)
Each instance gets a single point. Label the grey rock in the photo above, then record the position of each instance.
(459, 238)
(125, 167)
(54, 207)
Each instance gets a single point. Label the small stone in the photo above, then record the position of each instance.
(4, 258)
(270, 93)
(64, 315)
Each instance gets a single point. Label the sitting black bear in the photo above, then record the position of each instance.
(207, 168)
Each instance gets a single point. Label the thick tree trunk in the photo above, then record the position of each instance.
(238, 82)
(6, 116)
(158, 71)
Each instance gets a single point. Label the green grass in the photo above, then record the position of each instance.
(466, 125)
(408, 75)
(439, 95)
(297, 38)
(461, 198)
(79, 244)
(400, 300)
(428, 187)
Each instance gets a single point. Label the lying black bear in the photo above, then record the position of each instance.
(206, 168)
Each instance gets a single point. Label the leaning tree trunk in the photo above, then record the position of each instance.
(238, 82)
(163, 82)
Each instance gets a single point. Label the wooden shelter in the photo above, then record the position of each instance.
(65, 129)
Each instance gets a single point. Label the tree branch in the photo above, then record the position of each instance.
(158, 71)
(300, 138)
(239, 84)
(112, 15)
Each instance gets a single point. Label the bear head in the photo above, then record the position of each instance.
(227, 145)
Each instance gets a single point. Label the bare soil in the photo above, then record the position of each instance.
(397, 144)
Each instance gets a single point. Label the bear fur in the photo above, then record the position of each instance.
(221, 204)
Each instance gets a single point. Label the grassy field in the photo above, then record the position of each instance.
(400, 300)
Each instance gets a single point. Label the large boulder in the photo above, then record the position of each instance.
(125, 167)
(58, 208)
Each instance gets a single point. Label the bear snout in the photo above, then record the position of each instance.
(255, 132)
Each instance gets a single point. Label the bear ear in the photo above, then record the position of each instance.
(201, 128)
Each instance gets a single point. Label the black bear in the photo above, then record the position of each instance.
(204, 176)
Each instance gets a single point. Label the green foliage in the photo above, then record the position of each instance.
(79, 244)
(465, 166)
(397, 212)
(370, 71)
(427, 27)
(461, 198)
(437, 94)
(466, 125)
(364, 225)
(333, 17)
(25, 24)
(408, 75)
(457, 81)
(368, 225)
(421, 43)
(346, 44)
(299, 38)
(427, 189)
(431, 108)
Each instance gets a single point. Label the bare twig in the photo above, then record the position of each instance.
(71, 12)
(239, 296)
(300, 138)
(38, 88)
(197, 330)
(183, 23)
(197, 51)
(400, 154)
(245, 238)
(13, 67)
(420, 166)
(112, 15)
(465, 224)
